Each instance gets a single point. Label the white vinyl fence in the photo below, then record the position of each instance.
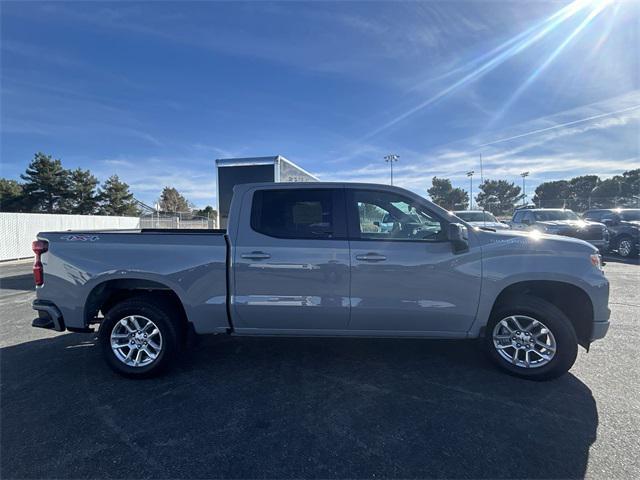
(18, 230)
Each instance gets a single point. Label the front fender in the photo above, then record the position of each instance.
(504, 266)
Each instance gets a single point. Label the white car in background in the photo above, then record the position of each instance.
(481, 218)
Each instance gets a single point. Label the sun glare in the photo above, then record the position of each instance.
(507, 50)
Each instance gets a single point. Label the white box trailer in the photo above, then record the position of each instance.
(236, 171)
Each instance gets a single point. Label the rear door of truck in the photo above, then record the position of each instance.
(291, 270)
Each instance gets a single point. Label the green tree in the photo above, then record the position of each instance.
(11, 196)
(442, 193)
(207, 212)
(46, 185)
(83, 197)
(498, 196)
(631, 181)
(552, 194)
(116, 199)
(173, 201)
(580, 191)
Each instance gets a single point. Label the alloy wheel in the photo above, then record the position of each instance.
(524, 341)
(136, 341)
(624, 248)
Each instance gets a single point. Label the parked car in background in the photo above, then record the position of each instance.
(561, 221)
(623, 225)
(481, 218)
(313, 259)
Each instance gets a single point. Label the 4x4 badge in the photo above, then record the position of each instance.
(80, 238)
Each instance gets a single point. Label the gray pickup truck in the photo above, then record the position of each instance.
(316, 260)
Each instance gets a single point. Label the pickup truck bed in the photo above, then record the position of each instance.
(83, 267)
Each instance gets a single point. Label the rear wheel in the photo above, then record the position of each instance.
(626, 247)
(138, 337)
(531, 338)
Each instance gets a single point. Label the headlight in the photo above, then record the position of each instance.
(596, 260)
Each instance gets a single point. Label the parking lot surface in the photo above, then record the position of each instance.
(318, 408)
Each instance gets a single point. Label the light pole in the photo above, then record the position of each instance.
(470, 175)
(524, 191)
(392, 157)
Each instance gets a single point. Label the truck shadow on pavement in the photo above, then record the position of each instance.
(18, 282)
(284, 408)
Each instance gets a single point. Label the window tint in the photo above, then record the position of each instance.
(388, 216)
(303, 213)
(630, 215)
(596, 215)
(550, 215)
(517, 218)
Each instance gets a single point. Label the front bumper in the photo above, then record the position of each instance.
(49, 316)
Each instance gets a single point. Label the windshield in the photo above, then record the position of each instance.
(630, 215)
(550, 215)
(476, 216)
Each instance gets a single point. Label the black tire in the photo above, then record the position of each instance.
(630, 250)
(158, 311)
(554, 319)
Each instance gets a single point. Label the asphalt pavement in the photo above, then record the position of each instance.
(315, 408)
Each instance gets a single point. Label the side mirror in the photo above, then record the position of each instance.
(458, 235)
(376, 223)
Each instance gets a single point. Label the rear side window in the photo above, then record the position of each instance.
(288, 213)
(597, 216)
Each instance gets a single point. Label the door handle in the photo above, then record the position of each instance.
(371, 257)
(256, 256)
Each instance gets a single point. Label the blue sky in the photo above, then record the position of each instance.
(155, 92)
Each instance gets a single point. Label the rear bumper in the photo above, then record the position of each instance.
(599, 330)
(49, 316)
(600, 244)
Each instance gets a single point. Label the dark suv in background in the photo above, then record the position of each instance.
(560, 221)
(623, 225)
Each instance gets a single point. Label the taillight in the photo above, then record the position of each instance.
(39, 247)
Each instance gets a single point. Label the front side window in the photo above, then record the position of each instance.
(388, 216)
(288, 213)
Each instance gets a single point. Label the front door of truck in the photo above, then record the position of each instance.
(405, 276)
(291, 262)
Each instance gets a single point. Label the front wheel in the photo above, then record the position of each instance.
(531, 338)
(138, 338)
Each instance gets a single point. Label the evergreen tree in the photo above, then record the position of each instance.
(552, 194)
(173, 201)
(116, 199)
(581, 189)
(46, 186)
(498, 196)
(83, 198)
(442, 193)
(11, 196)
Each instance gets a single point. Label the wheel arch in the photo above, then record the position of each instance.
(572, 300)
(112, 291)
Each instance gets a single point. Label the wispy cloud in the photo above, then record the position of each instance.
(568, 143)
